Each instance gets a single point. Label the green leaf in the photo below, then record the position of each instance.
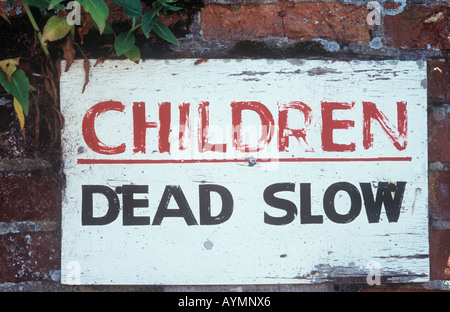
(165, 33)
(98, 10)
(173, 8)
(133, 54)
(168, 6)
(124, 42)
(19, 87)
(147, 23)
(156, 5)
(43, 4)
(108, 30)
(9, 66)
(132, 8)
(54, 3)
(56, 28)
(165, 6)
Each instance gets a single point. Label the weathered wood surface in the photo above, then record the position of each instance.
(246, 248)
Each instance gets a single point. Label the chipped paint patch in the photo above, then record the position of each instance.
(26, 226)
(322, 71)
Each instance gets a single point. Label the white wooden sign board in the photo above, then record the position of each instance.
(244, 172)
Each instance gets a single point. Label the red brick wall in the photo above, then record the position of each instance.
(30, 179)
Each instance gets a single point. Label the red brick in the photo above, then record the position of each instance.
(28, 257)
(440, 254)
(303, 20)
(29, 196)
(438, 82)
(439, 194)
(12, 142)
(417, 26)
(439, 135)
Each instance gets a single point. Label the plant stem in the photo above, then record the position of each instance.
(139, 25)
(36, 28)
(135, 27)
(72, 33)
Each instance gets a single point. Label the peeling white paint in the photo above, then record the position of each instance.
(245, 249)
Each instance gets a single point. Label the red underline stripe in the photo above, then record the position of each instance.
(195, 161)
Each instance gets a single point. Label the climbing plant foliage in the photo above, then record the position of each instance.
(14, 80)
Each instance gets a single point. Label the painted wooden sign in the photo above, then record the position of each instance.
(245, 172)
